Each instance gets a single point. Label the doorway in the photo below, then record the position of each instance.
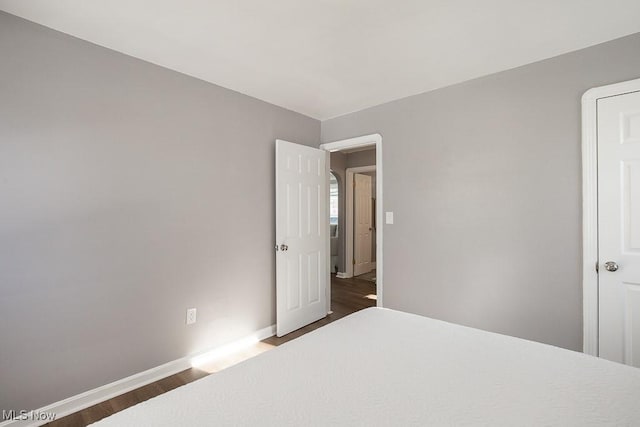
(302, 231)
(356, 237)
(361, 218)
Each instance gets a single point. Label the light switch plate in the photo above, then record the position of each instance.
(389, 218)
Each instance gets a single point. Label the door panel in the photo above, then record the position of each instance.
(631, 202)
(363, 226)
(301, 235)
(619, 227)
(632, 324)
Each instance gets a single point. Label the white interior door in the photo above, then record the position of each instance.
(619, 228)
(301, 235)
(363, 225)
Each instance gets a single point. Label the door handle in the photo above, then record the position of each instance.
(284, 247)
(610, 266)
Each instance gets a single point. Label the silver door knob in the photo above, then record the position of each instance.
(284, 247)
(610, 266)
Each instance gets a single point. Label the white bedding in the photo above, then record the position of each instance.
(383, 367)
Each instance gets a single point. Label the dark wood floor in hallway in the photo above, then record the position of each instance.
(347, 296)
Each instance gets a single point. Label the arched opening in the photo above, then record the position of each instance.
(334, 215)
(333, 199)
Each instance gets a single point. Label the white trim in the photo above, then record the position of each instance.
(361, 142)
(341, 275)
(589, 226)
(327, 288)
(352, 143)
(590, 207)
(348, 201)
(108, 391)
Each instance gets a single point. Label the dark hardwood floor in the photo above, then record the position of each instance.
(118, 403)
(347, 296)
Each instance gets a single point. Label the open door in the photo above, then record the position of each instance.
(363, 224)
(301, 236)
(618, 121)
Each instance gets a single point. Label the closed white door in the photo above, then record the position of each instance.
(619, 228)
(363, 224)
(301, 236)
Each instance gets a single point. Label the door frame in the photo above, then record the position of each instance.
(348, 201)
(373, 140)
(590, 206)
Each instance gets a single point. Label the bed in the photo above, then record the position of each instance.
(384, 367)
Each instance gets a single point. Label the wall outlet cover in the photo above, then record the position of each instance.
(191, 316)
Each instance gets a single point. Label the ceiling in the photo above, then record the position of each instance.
(325, 58)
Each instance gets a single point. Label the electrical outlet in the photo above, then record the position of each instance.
(191, 316)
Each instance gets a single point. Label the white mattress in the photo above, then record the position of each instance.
(383, 367)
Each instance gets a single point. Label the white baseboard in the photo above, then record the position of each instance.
(341, 275)
(100, 394)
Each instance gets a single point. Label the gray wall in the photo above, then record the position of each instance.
(484, 178)
(128, 193)
(361, 158)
